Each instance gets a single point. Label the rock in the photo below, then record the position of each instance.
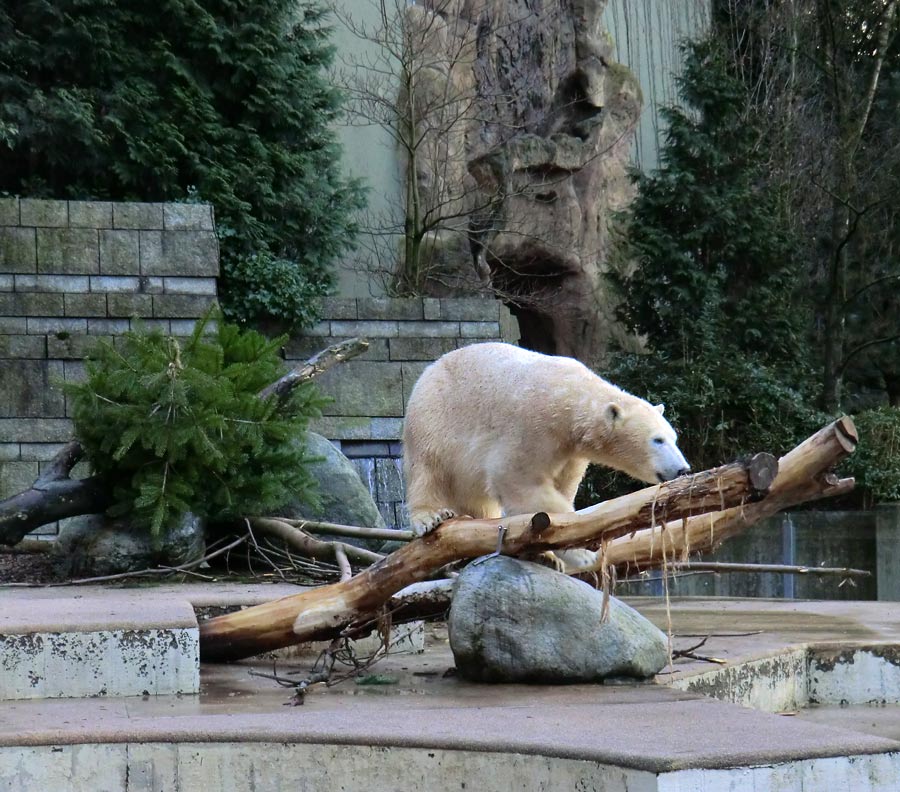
(343, 497)
(515, 621)
(97, 545)
(530, 161)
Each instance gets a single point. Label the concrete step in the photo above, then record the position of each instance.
(123, 644)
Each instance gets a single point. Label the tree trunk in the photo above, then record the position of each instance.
(803, 475)
(326, 611)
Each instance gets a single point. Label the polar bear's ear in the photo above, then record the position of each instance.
(613, 412)
(660, 408)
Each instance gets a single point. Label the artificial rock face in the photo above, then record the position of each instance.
(514, 621)
(531, 150)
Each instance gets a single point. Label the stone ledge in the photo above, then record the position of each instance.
(115, 646)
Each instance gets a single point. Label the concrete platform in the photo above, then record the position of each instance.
(436, 732)
(123, 645)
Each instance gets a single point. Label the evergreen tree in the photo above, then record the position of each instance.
(177, 426)
(711, 279)
(218, 100)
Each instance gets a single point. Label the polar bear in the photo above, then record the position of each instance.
(493, 430)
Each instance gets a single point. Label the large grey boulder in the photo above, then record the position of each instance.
(343, 497)
(515, 621)
(97, 545)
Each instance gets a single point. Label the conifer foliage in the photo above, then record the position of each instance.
(224, 101)
(710, 280)
(176, 425)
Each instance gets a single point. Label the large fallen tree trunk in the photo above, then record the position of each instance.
(804, 474)
(324, 612)
(55, 496)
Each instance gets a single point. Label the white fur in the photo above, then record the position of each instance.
(494, 430)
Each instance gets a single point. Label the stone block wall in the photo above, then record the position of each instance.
(72, 272)
(370, 392)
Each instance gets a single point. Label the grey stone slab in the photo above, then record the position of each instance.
(43, 214)
(410, 373)
(198, 286)
(23, 346)
(431, 308)
(10, 452)
(9, 211)
(85, 305)
(72, 347)
(16, 476)
(120, 252)
(144, 325)
(185, 253)
(18, 250)
(73, 371)
(123, 284)
(420, 348)
(28, 389)
(187, 217)
(31, 304)
(181, 306)
(428, 329)
(35, 430)
(13, 325)
(68, 251)
(357, 428)
(108, 326)
(378, 308)
(339, 308)
(7, 282)
(385, 329)
(151, 284)
(181, 327)
(479, 330)
(69, 284)
(55, 325)
(467, 309)
(127, 305)
(509, 326)
(363, 388)
(151, 252)
(138, 215)
(40, 452)
(90, 214)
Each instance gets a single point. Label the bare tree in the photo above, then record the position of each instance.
(824, 73)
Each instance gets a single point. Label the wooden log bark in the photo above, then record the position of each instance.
(55, 496)
(324, 612)
(804, 474)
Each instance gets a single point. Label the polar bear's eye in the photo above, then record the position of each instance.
(658, 440)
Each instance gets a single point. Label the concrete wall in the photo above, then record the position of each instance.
(74, 272)
(71, 273)
(370, 392)
(808, 538)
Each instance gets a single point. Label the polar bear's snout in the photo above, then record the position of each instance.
(668, 460)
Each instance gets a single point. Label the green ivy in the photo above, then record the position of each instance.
(176, 425)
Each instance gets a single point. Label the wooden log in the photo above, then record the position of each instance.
(804, 474)
(324, 612)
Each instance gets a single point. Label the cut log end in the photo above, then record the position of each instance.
(846, 434)
(761, 471)
(540, 522)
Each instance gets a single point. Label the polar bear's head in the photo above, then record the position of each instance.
(641, 443)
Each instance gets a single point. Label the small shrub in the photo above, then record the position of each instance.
(876, 462)
(176, 426)
(261, 287)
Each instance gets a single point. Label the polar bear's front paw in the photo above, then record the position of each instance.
(426, 522)
(550, 559)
